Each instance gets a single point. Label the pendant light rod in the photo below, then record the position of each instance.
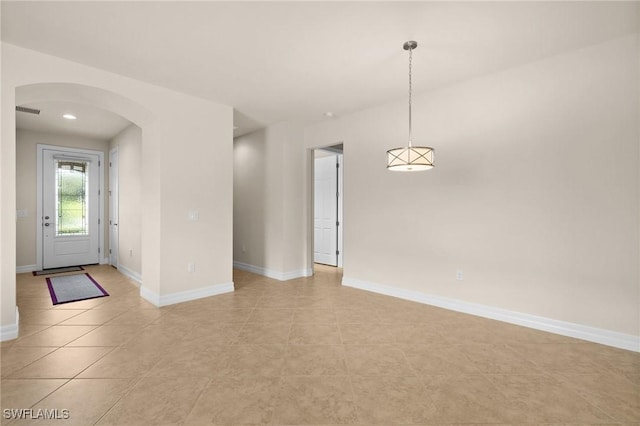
(410, 45)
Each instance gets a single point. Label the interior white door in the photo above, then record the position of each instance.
(70, 208)
(340, 209)
(113, 208)
(325, 232)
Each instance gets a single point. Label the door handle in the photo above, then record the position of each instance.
(46, 224)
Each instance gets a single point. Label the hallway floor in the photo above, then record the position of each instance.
(306, 351)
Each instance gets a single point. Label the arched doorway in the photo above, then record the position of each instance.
(51, 92)
(101, 108)
(176, 128)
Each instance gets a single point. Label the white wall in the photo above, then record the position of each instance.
(295, 207)
(269, 205)
(129, 144)
(186, 149)
(534, 195)
(26, 186)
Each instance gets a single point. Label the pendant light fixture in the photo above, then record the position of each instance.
(410, 158)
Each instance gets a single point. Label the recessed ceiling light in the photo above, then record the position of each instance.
(69, 116)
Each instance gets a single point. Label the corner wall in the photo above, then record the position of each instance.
(269, 220)
(534, 195)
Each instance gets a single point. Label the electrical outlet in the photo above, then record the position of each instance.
(191, 267)
(130, 252)
(459, 275)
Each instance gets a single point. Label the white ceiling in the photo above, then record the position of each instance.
(277, 61)
(90, 122)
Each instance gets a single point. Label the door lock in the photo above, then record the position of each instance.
(46, 224)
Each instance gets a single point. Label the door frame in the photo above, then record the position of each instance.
(311, 203)
(114, 205)
(39, 190)
(340, 160)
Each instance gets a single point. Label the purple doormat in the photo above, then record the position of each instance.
(72, 288)
(58, 270)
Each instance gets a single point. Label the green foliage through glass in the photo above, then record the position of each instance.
(72, 179)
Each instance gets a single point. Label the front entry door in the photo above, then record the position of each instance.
(70, 208)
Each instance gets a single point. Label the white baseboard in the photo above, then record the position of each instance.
(281, 276)
(26, 268)
(300, 273)
(134, 276)
(591, 334)
(10, 331)
(184, 296)
(150, 296)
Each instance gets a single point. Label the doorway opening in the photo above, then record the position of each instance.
(327, 206)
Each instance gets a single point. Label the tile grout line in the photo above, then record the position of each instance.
(130, 387)
(420, 379)
(348, 371)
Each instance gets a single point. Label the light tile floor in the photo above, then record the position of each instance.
(306, 351)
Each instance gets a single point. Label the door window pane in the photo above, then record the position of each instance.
(72, 197)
